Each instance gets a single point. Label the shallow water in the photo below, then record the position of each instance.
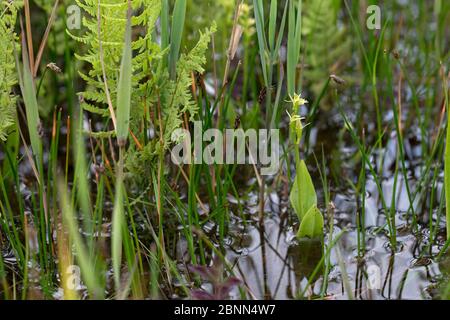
(402, 275)
(273, 264)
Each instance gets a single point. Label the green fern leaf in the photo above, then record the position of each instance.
(8, 75)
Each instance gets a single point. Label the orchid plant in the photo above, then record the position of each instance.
(303, 196)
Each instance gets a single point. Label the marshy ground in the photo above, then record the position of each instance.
(92, 205)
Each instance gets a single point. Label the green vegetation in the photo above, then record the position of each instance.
(8, 76)
(92, 205)
(303, 194)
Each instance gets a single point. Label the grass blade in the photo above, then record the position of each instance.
(165, 32)
(272, 23)
(447, 159)
(31, 106)
(70, 221)
(124, 86)
(179, 15)
(294, 41)
(123, 119)
(117, 228)
(45, 38)
(259, 20)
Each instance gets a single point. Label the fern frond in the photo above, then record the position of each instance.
(151, 84)
(8, 75)
(111, 35)
(179, 98)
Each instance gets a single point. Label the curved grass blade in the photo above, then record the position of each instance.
(124, 87)
(31, 106)
(86, 264)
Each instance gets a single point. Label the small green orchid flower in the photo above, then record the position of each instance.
(296, 127)
(297, 101)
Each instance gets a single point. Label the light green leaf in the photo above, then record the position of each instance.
(447, 163)
(293, 44)
(124, 87)
(179, 15)
(312, 224)
(86, 263)
(31, 106)
(118, 222)
(303, 195)
(272, 23)
(262, 43)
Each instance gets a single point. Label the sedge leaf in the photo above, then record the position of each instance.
(312, 224)
(124, 87)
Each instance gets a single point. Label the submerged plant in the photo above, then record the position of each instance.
(303, 194)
